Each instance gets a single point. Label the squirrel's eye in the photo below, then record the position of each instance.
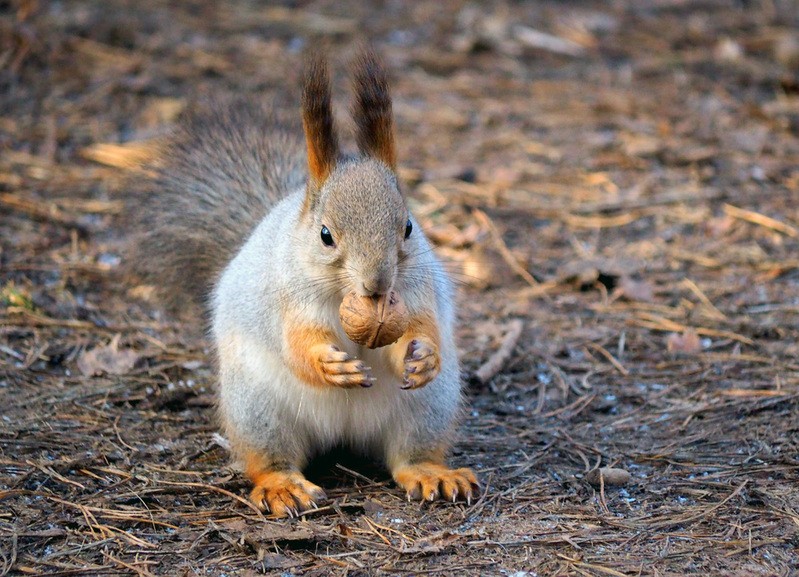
(408, 228)
(327, 238)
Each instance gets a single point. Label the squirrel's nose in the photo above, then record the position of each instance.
(375, 286)
(369, 289)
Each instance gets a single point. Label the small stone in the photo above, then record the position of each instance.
(610, 476)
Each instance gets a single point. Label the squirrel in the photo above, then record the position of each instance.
(273, 237)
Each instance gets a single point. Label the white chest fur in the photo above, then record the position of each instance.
(326, 416)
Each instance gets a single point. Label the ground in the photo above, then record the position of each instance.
(614, 186)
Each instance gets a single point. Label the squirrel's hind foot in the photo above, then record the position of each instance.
(431, 481)
(285, 493)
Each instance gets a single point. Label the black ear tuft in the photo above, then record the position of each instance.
(317, 121)
(371, 110)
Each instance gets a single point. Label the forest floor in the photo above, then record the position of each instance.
(615, 186)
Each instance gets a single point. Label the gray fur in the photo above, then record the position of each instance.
(215, 178)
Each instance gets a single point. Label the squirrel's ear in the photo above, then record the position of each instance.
(317, 121)
(371, 110)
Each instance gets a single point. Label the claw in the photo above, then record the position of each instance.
(285, 493)
(429, 481)
(421, 364)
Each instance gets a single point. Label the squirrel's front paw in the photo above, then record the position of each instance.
(422, 363)
(338, 369)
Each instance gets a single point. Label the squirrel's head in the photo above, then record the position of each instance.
(354, 216)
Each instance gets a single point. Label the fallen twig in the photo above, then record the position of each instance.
(503, 249)
(40, 210)
(549, 42)
(496, 361)
(761, 219)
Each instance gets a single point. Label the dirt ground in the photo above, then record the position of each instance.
(615, 186)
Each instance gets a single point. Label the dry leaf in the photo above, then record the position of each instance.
(268, 533)
(109, 359)
(277, 561)
(636, 290)
(688, 342)
(608, 271)
(434, 543)
(130, 155)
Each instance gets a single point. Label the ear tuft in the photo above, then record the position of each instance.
(371, 110)
(317, 121)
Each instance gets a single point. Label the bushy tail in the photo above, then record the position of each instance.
(210, 185)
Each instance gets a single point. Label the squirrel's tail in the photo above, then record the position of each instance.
(212, 181)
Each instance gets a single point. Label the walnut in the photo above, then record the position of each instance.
(373, 321)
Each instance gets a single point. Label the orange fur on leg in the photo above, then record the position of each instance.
(415, 356)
